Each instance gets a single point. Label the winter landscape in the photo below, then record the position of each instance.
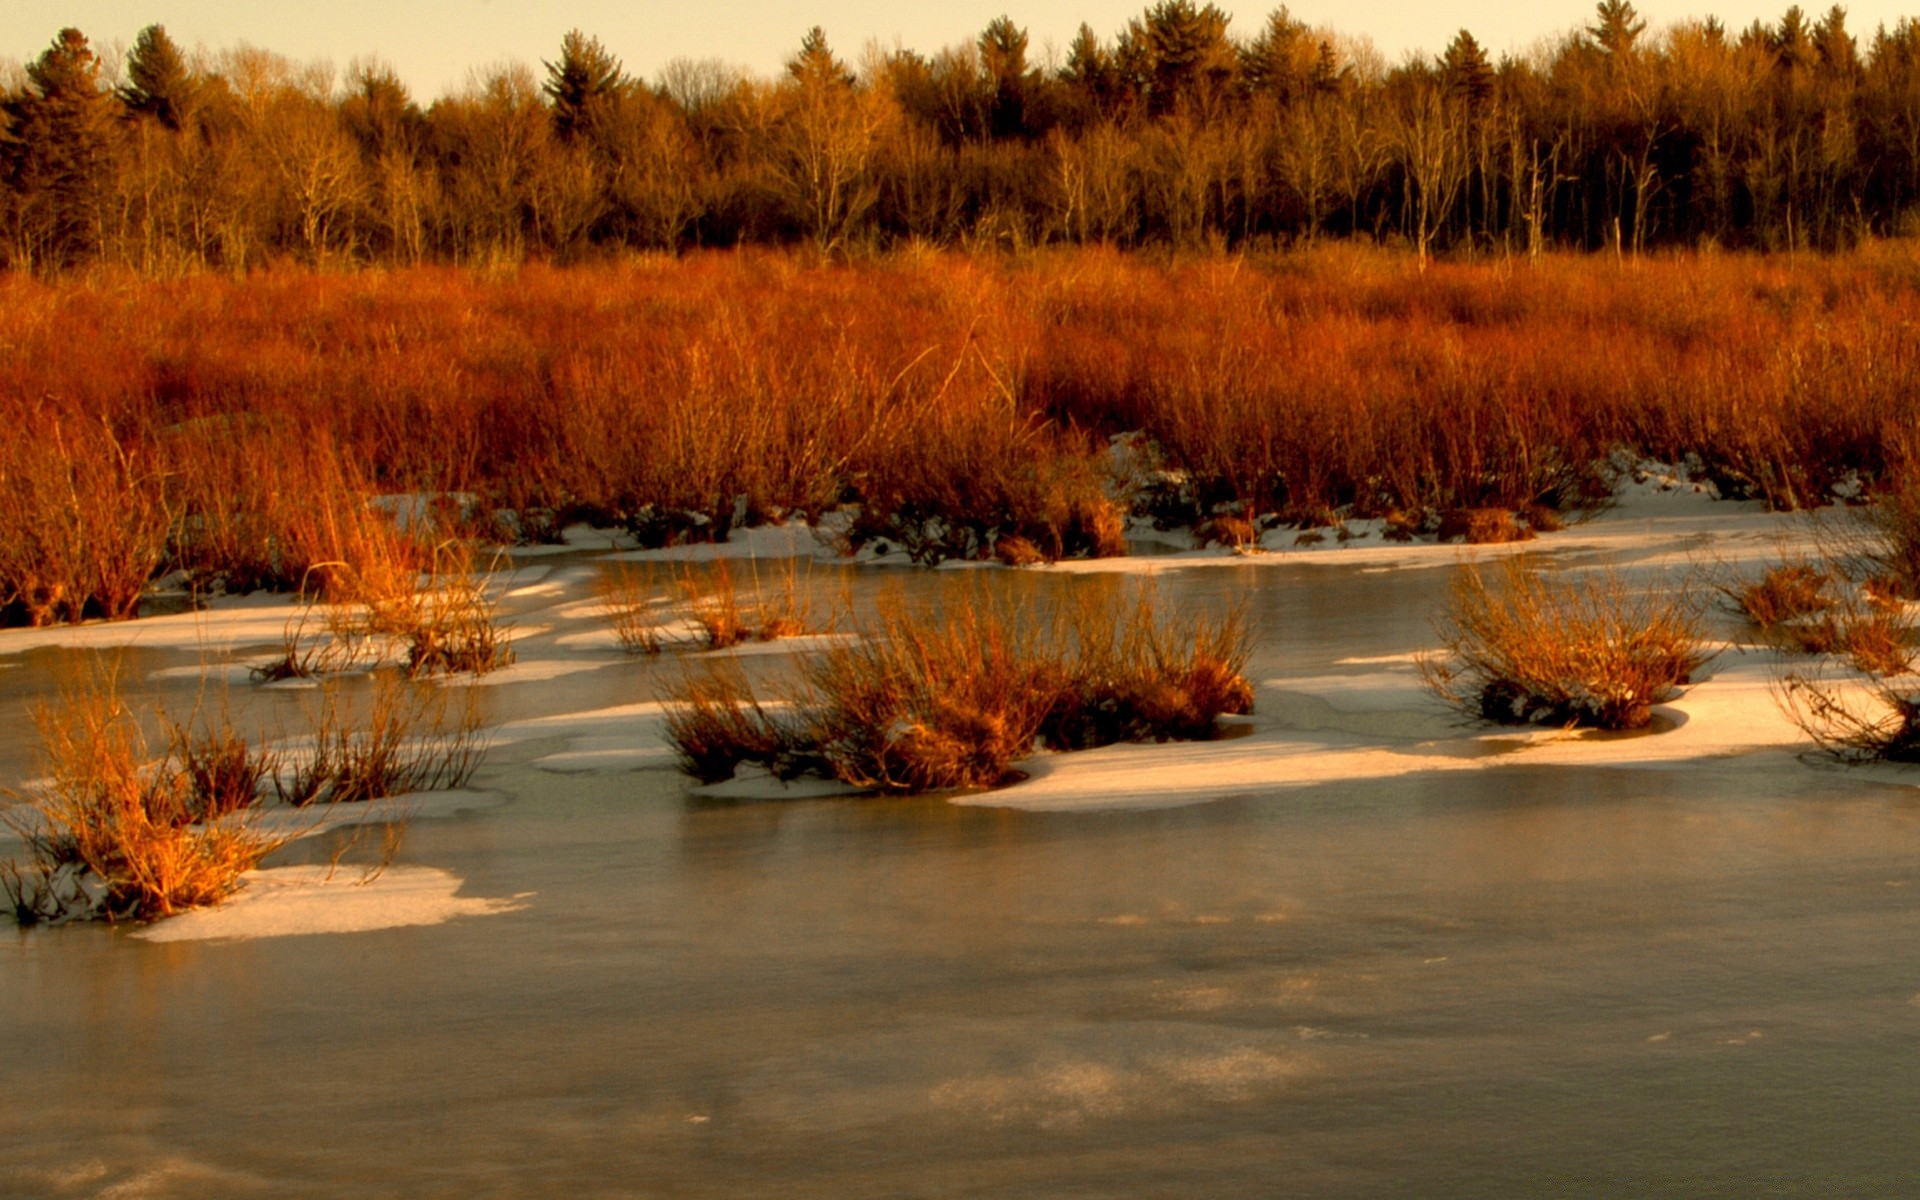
(1193, 612)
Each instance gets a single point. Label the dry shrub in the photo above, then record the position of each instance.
(1012, 550)
(1528, 651)
(1893, 535)
(717, 724)
(1136, 675)
(83, 522)
(222, 772)
(114, 835)
(934, 700)
(1877, 641)
(449, 624)
(714, 604)
(1483, 526)
(1235, 533)
(631, 603)
(931, 702)
(1785, 593)
(1876, 722)
(404, 739)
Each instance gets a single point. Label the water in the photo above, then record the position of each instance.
(1495, 982)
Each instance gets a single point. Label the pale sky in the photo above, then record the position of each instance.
(433, 43)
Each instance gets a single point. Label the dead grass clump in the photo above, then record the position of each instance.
(631, 603)
(1594, 653)
(112, 835)
(1541, 519)
(1876, 722)
(405, 740)
(1136, 675)
(715, 605)
(1893, 537)
(1399, 526)
(1483, 526)
(448, 622)
(1786, 593)
(939, 700)
(1235, 533)
(1877, 641)
(717, 724)
(932, 701)
(221, 771)
(1015, 551)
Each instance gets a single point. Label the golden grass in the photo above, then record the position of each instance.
(935, 699)
(449, 623)
(632, 604)
(1786, 593)
(113, 835)
(714, 603)
(245, 423)
(1594, 652)
(1136, 674)
(402, 738)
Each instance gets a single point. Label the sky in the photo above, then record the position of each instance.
(433, 44)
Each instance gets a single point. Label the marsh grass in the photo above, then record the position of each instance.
(243, 424)
(1877, 720)
(113, 834)
(1786, 593)
(1594, 652)
(83, 520)
(935, 699)
(450, 623)
(632, 602)
(402, 738)
(1136, 674)
(766, 613)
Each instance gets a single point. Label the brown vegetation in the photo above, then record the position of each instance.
(632, 606)
(398, 740)
(958, 401)
(1875, 722)
(1482, 526)
(115, 835)
(927, 701)
(1594, 652)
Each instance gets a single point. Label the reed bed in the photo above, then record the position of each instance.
(236, 428)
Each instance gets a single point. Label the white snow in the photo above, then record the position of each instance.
(289, 901)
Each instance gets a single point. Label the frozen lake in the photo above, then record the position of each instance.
(1364, 950)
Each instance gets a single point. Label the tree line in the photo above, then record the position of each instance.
(1175, 131)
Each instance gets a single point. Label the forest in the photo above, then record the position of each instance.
(1178, 131)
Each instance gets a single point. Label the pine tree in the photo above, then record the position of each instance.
(1003, 60)
(1618, 27)
(581, 84)
(61, 151)
(158, 82)
(1177, 55)
(816, 64)
(1468, 74)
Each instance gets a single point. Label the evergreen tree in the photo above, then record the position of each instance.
(61, 151)
(581, 84)
(1468, 74)
(1003, 60)
(1177, 55)
(1617, 28)
(158, 82)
